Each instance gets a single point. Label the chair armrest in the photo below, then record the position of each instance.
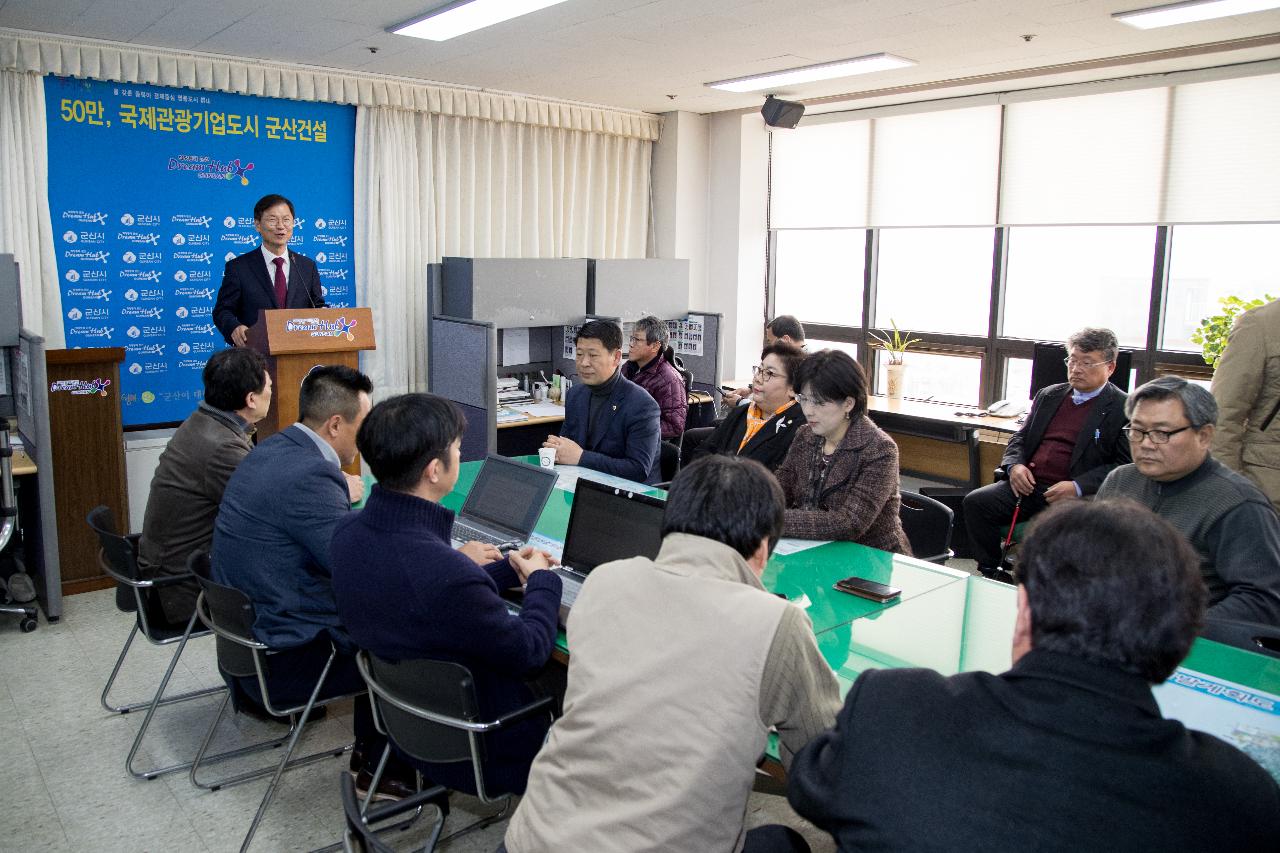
(518, 714)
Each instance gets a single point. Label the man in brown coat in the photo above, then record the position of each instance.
(1246, 385)
(194, 468)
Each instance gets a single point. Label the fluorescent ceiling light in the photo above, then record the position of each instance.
(455, 19)
(809, 73)
(1192, 10)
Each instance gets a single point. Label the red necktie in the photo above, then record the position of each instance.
(282, 286)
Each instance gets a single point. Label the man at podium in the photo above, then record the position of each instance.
(268, 277)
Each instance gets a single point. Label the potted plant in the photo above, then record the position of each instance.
(895, 346)
(1212, 333)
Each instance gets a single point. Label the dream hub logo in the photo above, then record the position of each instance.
(238, 171)
(317, 328)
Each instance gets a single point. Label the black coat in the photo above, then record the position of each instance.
(769, 446)
(247, 289)
(1100, 446)
(1057, 754)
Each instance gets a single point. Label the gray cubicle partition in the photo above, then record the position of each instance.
(463, 367)
(704, 361)
(514, 293)
(638, 287)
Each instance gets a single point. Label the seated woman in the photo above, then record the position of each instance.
(840, 477)
(761, 430)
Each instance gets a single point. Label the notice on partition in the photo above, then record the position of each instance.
(1247, 719)
(570, 341)
(686, 335)
(152, 189)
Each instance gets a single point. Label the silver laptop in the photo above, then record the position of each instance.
(504, 503)
(606, 523)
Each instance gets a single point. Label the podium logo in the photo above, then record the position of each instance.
(316, 328)
(80, 386)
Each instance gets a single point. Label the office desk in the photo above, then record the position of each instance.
(23, 465)
(938, 422)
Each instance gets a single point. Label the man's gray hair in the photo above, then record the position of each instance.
(1095, 340)
(1198, 404)
(655, 331)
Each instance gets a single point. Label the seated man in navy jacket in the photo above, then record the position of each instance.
(404, 593)
(611, 424)
(271, 542)
(1066, 751)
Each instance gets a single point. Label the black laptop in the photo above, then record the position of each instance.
(504, 502)
(606, 523)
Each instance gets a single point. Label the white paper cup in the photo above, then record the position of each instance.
(547, 457)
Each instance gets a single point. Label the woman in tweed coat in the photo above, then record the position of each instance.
(840, 476)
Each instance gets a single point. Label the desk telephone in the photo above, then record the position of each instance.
(1006, 409)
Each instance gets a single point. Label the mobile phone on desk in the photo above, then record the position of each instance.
(868, 589)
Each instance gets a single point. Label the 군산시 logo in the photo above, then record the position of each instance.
(131, 295)
(127, 219)
(229, 222)
(179, 240)
(180, 275)
(75, 314)
(72, 276)
(135, 368)
(69, 236)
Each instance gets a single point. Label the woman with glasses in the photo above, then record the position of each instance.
(763, 428)
(840, 477)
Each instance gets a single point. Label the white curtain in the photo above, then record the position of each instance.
(428, 186)
(25, 229)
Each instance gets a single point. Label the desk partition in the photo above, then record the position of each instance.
(463, 367)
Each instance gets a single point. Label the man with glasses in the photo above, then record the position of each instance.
(648, 367)
(610, 423)
(270, 276)
(1069, 444)
(1227, 519)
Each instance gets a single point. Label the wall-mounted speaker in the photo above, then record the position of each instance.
(780, 113)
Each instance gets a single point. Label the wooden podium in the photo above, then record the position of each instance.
(87, 439)
(294, 340)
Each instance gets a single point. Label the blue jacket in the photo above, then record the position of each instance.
(625, 440)
(271, 538)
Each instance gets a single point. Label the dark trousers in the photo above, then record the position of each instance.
(773, 838)
(987, 514)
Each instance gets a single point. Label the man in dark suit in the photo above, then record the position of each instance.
(193, 471)
(271, 542)
(270, 276)
(1070, 442)
(1067, 750)
(611, 424)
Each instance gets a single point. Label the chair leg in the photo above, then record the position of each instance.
(479, 824)
(135, 706)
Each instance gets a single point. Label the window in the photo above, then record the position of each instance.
(933, 376)
(1062, 279)
(819, 176)
(818, 275)
(1017, 379)
(812, 345)
(1211, 261)
(935, 279)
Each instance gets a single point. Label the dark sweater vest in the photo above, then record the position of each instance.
(1051, 463)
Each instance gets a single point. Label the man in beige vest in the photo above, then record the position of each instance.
(1246, 385)
(679, 668)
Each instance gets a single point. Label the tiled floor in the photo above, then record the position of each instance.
(63, 786)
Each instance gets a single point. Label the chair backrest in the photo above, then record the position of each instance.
(360, 837)
(440, 687)
(1048, 368)
(226, 611)
(668, 460)
(927, 523)
(678, 364)
(119, 559)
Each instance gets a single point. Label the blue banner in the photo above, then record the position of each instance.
(151, 191)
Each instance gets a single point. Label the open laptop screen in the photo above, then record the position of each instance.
(509, 494)
(608, 523)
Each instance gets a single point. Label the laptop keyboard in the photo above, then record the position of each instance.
(465, 533)
(571, 585)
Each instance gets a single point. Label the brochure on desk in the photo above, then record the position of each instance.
(1247, 719)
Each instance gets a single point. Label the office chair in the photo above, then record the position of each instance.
(118, 557)
(360, 836)
(927, 523)
(1048, 367)
(429, 710)
(230, 615)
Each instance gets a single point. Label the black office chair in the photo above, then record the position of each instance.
(360, 837)
(927, 523)
(118, 557)
(1048, 367)
(668, 461)
(429, 710)
(230, 615)
(1251, 636)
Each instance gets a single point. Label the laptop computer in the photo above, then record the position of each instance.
(606, 523)
(504, 502)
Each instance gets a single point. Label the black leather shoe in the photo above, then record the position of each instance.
(388, 788)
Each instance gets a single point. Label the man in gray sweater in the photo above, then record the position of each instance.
(1229, 522)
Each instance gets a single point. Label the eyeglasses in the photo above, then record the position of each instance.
(639, 342)
(767, 372)
(806, 400)
(1087, 365)
(273, 221)
(1157, 436)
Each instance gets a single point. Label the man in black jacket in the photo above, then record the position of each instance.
(1066, 751)
(271, 276)
(1070, 442)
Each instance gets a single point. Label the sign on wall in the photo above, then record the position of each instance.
(151, 191)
